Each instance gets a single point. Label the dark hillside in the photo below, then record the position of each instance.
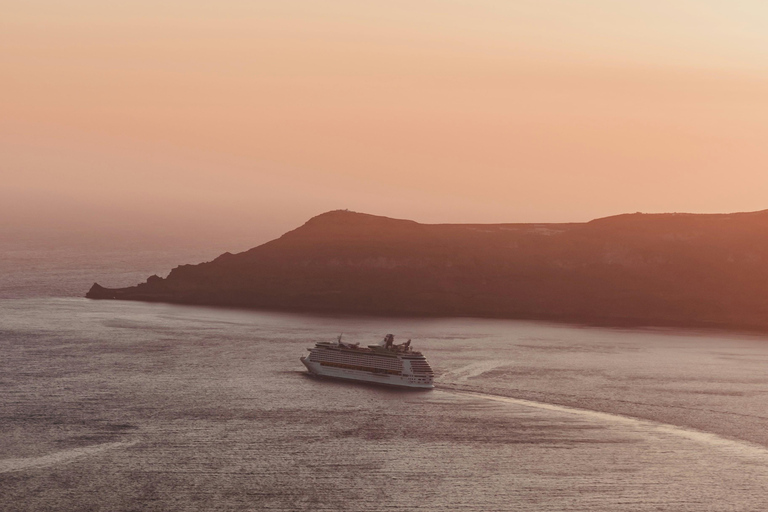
(636, 269)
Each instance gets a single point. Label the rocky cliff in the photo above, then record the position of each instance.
(636, 269)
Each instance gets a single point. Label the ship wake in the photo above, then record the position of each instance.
(62, 457)
(730, 446)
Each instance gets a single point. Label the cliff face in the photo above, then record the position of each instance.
(639, 269)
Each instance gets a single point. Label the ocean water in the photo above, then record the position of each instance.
(130, 406)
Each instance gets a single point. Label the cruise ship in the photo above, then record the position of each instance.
(384, 363)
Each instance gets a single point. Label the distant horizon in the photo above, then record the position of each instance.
(242, 119)
(109, 236)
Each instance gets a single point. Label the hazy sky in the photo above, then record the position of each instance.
(251, 116)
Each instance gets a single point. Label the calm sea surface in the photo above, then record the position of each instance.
(131, 406)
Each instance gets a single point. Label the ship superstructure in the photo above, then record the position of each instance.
(385, 363)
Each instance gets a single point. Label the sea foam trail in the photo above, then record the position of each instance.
(62, 457)
(474, 370)
(731, 446)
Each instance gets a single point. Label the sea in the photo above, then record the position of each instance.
(129, 406)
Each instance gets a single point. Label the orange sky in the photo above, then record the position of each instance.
(253, 116)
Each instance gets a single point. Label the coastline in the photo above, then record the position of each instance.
(594, 321)
(634, 270)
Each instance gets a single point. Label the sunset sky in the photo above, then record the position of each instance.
(250, 116)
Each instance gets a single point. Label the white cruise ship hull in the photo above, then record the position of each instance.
(407, 381)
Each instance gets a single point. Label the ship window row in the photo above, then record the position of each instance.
(359, 368)
(357, 356)
(362, 366)
(361, 361)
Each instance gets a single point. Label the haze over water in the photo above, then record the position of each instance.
(124, 406)
(250, 117)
